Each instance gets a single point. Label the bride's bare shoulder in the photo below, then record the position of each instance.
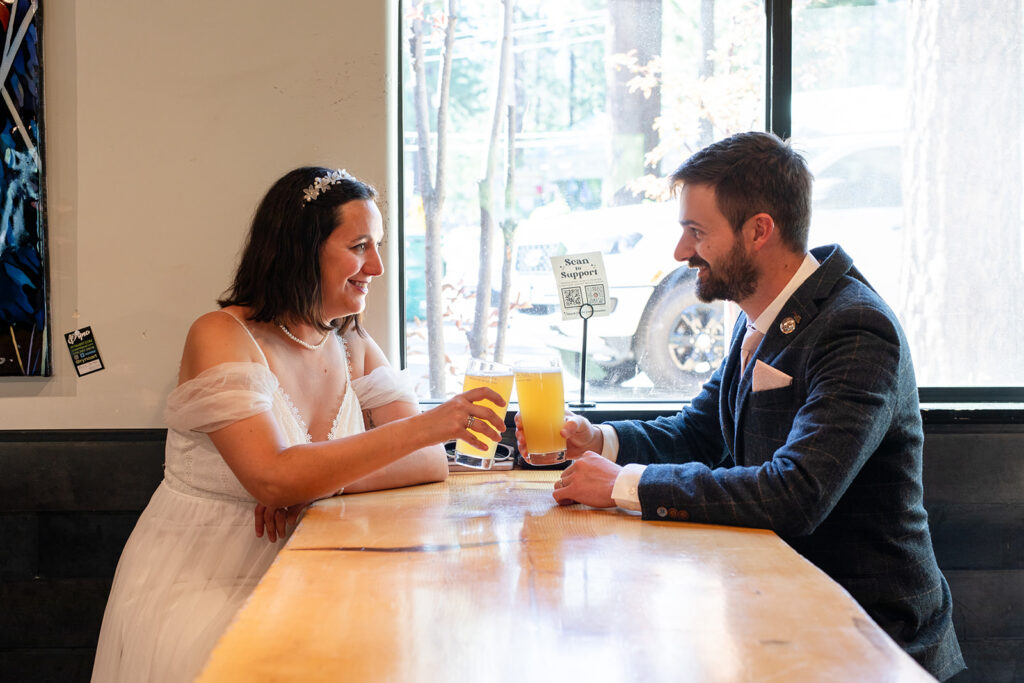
(364, 353)
(217, 326)
(217, 337)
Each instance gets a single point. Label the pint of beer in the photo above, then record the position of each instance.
(542, 410)
(484, 373)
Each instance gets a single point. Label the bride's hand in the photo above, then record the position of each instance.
(276, 520)
(454, 418)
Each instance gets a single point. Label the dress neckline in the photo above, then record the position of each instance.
(299, 420)
(296, 415)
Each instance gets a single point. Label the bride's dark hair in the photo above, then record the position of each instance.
(278, 276)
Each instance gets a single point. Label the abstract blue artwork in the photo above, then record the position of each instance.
(25, 348)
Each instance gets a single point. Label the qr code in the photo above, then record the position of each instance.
(595, 295)
(572, 297)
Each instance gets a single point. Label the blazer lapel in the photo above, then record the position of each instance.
(797, 312)
(786, 327)
(739, 398)
(730, 380)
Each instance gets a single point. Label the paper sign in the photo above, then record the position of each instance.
(580, 280)
(84, 353)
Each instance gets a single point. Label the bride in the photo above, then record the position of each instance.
(282, 399)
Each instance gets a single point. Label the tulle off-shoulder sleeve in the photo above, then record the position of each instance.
(382, 386)
(219, 396)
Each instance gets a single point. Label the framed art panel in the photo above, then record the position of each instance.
(25, 348)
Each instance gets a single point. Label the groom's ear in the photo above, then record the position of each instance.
(759, 228)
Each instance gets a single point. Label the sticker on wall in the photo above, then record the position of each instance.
(84, 352)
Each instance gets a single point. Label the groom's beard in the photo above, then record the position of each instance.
(734, 279)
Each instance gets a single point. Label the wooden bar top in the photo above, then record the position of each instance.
(485, 578)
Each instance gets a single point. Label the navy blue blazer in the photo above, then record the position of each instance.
(832, 463)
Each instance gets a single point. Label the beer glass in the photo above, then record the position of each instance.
(542, 410)
(484, 373)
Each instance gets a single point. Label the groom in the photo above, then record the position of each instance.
(811, 427)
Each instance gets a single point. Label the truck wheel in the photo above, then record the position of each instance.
(680, 340)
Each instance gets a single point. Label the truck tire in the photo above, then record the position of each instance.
(680, 340)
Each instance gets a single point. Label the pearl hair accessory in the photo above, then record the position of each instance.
(321, 184)
(312, 347)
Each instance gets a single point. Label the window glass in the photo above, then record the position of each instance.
(602, 99)
(910, 116)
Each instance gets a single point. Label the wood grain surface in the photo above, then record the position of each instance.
(485, 578)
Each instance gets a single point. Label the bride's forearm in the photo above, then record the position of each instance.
(315, 470)
(279, 475)
(423, 466)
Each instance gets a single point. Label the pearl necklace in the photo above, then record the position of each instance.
(312, 347)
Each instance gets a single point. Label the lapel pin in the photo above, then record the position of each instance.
(789, 324)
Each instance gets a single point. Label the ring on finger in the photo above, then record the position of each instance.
(469, 422)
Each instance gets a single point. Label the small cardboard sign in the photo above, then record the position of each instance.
(84, 352)
(580, 280)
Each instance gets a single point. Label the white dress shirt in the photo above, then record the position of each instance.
(624, 493)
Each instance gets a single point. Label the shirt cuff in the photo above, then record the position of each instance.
(610, 449)
(624, 493)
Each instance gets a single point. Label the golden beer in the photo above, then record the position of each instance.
(542, 410)
(499, 378)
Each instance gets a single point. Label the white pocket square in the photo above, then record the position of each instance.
(767, 377)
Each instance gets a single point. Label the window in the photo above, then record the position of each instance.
(910, 115)
(558, 122)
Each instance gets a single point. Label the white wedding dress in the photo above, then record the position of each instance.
(193, 558)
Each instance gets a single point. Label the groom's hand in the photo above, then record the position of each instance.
(588, 480)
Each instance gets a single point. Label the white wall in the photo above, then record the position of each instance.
(165, 123)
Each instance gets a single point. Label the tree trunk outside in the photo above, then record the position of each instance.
(508, 234)
(432, 190)
(962, 278)
(481, 314)
(634, 25)
(707, 65)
